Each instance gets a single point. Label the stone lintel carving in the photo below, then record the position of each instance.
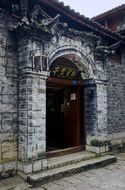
(97, 45)
(88, 38)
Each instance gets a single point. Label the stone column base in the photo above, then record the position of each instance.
(97, 150)
(28, 168)
(22, 168)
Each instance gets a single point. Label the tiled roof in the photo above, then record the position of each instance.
(95, 26)
(118, 8)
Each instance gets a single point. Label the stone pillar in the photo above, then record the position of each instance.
(95, 95)
(31, 108)
(102, 131)
(32, 116)
(90, 98)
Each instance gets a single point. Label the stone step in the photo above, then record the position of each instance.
(56, 173)
(69, 159)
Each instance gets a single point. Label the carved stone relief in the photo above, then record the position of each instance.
(95, 50)
(41, 20)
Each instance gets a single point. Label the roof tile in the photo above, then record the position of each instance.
(109, 11)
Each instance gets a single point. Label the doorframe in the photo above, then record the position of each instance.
(68, 82)
(65, 151)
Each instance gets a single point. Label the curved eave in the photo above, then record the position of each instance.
(81, 19)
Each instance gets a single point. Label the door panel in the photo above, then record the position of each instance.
(72, 116)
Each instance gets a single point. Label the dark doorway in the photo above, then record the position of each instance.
(63, 114)
(55, 119)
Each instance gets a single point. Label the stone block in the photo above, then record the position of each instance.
(7, 146)
(9, 154)
(44, 164)
(97, 150)
(27, 168)
(20, 166)
(37, 166)
(1, 168)
(10, 166)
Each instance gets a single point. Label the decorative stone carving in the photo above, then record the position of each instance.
(88, 39)
(102, 51)
(121, 25)
(37, 19)
(83, 70)
(41, 20)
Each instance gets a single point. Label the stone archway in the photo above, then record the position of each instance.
(81, 59)
(94, 90)
(59, 62)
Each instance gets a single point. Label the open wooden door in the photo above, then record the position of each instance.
(72, 116)
(65, 130)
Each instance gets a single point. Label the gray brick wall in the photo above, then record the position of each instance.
(90, 107)
(8, 94)
(32, 104)
(32, 117)
(95, 97)
(116, 100)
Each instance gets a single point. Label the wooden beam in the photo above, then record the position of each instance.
(59, 81)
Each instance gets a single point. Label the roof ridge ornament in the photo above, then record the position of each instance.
(41, 20)
(38, 19)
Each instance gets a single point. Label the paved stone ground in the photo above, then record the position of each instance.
(111, 177)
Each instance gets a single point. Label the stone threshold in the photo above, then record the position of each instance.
(57, 171)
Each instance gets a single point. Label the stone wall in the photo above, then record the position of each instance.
(101, 110)
(32, 104)
(116, 101)
(90, 108)
(23, 98)
(8, 94)
(95, 96)
(32, 117)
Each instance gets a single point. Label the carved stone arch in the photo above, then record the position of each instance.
(82, 60)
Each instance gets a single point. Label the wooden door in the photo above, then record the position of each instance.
(72, 116)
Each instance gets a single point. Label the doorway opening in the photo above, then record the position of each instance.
(65, 129)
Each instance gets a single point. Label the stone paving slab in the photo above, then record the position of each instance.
(10, 183)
